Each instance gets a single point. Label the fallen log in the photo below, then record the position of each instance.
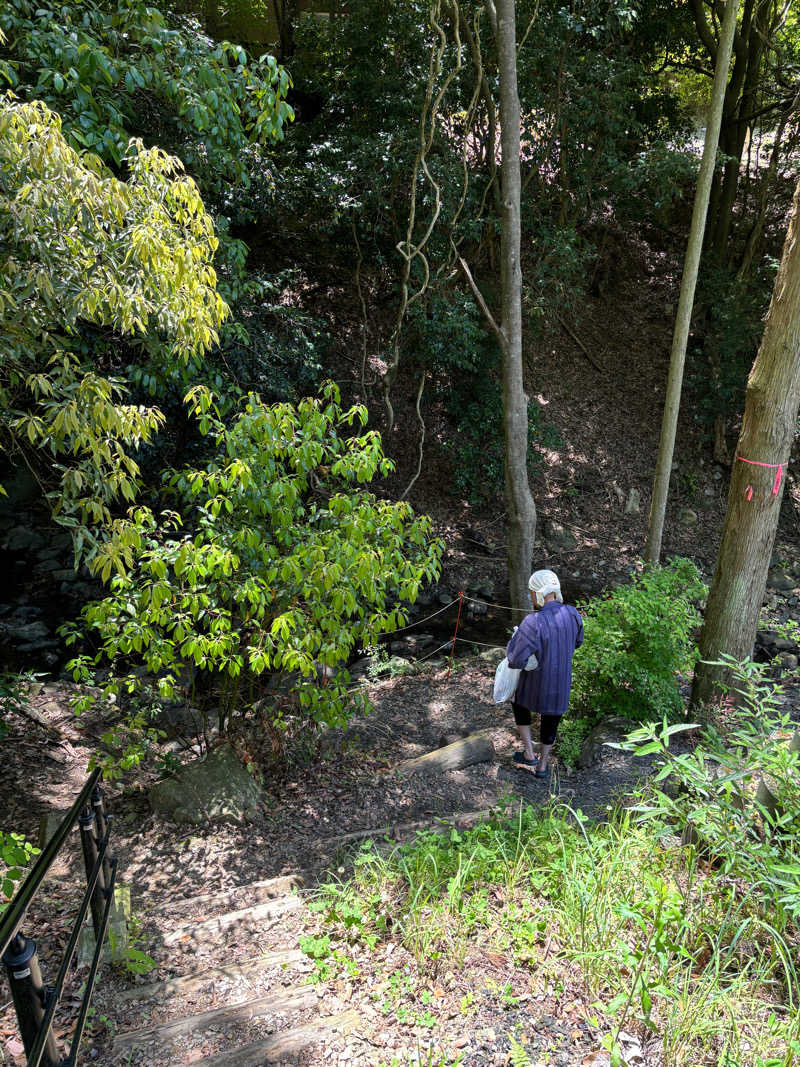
(477, 748)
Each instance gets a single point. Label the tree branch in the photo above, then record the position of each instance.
(481, 302)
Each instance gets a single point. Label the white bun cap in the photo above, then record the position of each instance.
(545, 582)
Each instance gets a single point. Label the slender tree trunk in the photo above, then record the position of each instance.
(683, 318)
(740, 103)
(521, 510)
(754, 498)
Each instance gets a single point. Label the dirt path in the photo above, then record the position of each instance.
(349, 790)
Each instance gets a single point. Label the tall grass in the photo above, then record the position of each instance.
(654, 937)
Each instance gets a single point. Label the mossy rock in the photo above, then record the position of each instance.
(215, 789)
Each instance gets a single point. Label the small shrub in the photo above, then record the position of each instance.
(638, 639)
(275, 563)
(571, 735)
(15, 854)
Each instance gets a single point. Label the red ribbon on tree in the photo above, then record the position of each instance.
(777, 467)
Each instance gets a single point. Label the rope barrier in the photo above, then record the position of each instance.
(450, 643)
(478, 644)
(419, 622)
(488, 604)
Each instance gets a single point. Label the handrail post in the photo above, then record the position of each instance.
(27, 992)
(103, 821)
(88, 825)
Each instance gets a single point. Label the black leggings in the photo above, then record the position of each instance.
(548, 727)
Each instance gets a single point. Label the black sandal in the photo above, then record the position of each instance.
(522, 760)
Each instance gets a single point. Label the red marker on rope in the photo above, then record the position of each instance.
(777, 467)
(455, 635)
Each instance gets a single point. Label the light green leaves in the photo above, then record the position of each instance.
(80, 248)
(284, 571)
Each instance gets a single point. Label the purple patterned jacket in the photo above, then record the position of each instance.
(552, 635)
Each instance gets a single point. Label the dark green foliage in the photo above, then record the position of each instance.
(730, 314)
(639, 638)
(121, 68)
(476, 445)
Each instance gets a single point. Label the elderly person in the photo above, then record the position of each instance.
(551, 632)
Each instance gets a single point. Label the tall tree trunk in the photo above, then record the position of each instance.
(754, 498)
(683, 318)
(521, 510)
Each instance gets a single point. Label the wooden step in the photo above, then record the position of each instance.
(274, 1048)
(290, 999)
(258, 913)
(180, 985)
(255, 892)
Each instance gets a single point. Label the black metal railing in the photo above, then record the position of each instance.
(34, 1003)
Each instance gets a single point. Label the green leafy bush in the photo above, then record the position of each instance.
(15, 853)
(123, 68)
(272, 566)
(572, 732)
(638, 640)
(715, 796)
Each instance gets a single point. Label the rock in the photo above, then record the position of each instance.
(492, 656)
(613, 729)
(558, 537)
(789, 661)
(397, 665)
(28, 632)
(412, 644)
(687, 517)
(48, 566)
(362, 667)
(216, 789)
(633, 503)
(778, 580)
(179, 720)
(26, 613)
(23, 539)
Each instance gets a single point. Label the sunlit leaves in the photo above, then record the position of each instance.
(79, 246)
(282, 563)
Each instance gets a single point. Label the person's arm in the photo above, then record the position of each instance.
(524, 643)
(579, 634)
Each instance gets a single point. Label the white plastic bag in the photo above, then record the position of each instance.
(506, 678)
(505, 681)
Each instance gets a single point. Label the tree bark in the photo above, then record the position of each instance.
(754, 498)
(683, 317)
(520, 508)
(751, 40)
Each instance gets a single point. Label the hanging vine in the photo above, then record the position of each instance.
(465, 36)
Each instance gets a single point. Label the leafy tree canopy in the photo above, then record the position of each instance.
(122, 68)
(82, 248)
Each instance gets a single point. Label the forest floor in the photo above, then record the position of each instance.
(313, 819)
